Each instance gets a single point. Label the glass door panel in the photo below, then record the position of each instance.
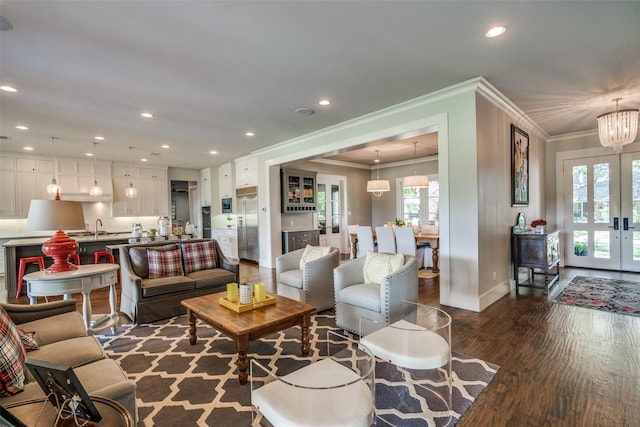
(630, 218)
(591, 231)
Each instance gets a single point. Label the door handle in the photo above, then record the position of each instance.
(616, 223)
(625, 224)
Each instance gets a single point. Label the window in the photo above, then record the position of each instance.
(420, 206)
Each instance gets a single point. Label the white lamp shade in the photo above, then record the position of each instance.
(55, 215)
(378, 185)
(415, 181)
(618, 128)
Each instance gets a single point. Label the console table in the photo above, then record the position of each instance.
(84, 279)
(539, 252)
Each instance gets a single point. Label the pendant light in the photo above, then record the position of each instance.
(95, 190)
(53, 188)
(130, 191)
(618, 128)
(378, 186)
(415, 181)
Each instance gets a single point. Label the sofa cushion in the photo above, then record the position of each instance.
(139, 261)
(12, 356)
(199, 256)
(72, 352)
(313, 252)
(164, 263)
(362, 295)
(57, 328)
(291, 278)
(166, 285)
(212, 277)
(377, 266)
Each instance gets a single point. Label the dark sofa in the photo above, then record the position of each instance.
(146, 298)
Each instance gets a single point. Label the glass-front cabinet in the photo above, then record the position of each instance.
(298, 191)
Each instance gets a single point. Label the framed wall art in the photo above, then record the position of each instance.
(519, 167)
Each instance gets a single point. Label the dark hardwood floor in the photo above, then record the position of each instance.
(559, 365)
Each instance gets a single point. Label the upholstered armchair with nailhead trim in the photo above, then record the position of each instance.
(381, 303)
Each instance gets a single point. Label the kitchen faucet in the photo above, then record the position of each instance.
(98, 221)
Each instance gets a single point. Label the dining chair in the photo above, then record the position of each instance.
(385, 240)
(406, 244)
(365, 240)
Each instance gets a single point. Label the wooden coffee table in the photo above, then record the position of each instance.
(250, 325)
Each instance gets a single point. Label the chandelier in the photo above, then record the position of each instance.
(53, 189)
(415, 181)
(378, 186)
(618, 128)
(130, 191)
(95, 190)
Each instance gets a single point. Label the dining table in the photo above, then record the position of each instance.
(432, 238)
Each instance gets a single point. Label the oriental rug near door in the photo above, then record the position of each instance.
(184, 385)
(612, 295)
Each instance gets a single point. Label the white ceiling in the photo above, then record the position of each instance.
(211, 70)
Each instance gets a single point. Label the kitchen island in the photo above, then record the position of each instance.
(20, 248)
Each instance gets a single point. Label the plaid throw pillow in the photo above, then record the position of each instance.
(199, 256)
(12, 355)
(164, 263)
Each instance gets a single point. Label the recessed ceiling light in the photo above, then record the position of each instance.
(21, 127)
(8, 88)
(165, 146)
(88, 154)
(324, 102)
(27, 148)
(213, 152)
(495, 32)
(143, 160)
(98, 138)
(147, 115)
(249, 133)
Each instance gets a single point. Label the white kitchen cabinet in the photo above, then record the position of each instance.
(225, 181)
(32, 178)
(7, 193)
(122, 205)
(228, 241)
(205, 187)
(78, 176)
(246, 172)
(153, 191)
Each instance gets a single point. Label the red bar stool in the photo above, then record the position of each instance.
(75, 258)
(23, 264)
(102, 254)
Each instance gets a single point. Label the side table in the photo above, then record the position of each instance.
(84, 279)
(540, 253)
(113, 414)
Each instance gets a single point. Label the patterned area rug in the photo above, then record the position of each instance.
(612, 295)
(184, 385)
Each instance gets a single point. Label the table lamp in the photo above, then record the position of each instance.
(57, 215)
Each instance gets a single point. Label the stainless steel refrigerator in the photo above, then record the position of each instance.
(247, 212)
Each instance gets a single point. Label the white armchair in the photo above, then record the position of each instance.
(382, 303)
(313, 284)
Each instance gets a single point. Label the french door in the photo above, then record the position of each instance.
(329, 211)
(602, 212)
